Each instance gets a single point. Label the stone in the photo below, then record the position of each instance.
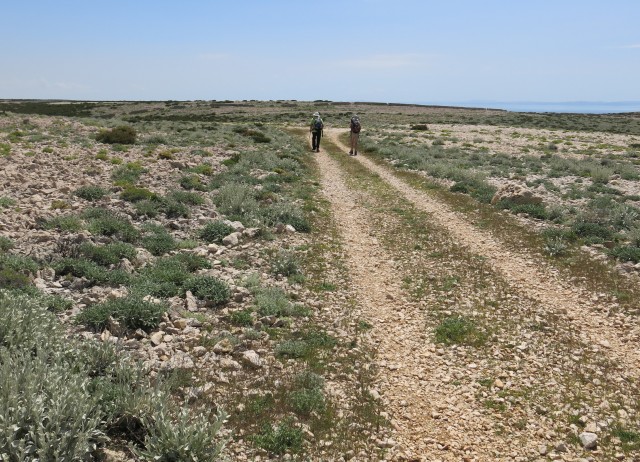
(126, 266)
(516, 194)
(251, 232)
(588, 440)
(199, 351)
(252, 358)
(180, 323)
(190, 302)
(156, 338)
(232, 239)
(223, 346)
(228, 363)
(236, 225)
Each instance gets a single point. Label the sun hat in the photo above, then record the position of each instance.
(316, 114)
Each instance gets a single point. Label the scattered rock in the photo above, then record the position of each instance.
(156, 338)
(588, 440)
(252, 358)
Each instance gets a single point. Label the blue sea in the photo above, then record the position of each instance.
(576, 107)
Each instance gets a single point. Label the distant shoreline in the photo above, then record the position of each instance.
(578, 107)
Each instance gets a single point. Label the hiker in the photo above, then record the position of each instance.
(316, 131)
(355, 127)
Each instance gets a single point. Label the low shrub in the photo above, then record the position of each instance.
(538, 211)
(192, 182)
(183, 438)
(122, 134)
(237, 201)
(285, 263)
(279, 439)
(420, 127)
(186, 197)
(132, 193)
(163, 279)
(208, 288)
(5, 244)
(215, 231)
(157, 240)
(202, 169)
(285, 213)
(626, 253)
(586, 229)
(12, 279)
(18, 263)
(272, 301)
(132, 312)
(6, 202)
(241, 318)
(94, 273)
(104, 222)
(459, 330)
(128, 173)
(306, 401)
(108, 254)
(90, 193)
(68, 223)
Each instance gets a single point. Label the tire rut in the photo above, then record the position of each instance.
(406, 358)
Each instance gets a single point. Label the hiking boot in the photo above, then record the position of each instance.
(351, 152)
(355, 153)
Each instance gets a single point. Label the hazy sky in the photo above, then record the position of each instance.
(346, 50)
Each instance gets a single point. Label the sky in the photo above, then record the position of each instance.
(409, 51)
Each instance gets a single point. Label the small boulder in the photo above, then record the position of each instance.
(516, 194)
(588, 440)
(252, 359)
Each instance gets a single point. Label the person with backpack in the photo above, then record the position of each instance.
(316, 131)
(355, 127)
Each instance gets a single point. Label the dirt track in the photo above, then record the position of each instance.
(409, 366)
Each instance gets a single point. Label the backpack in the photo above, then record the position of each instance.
(317, 125)
(355, 125)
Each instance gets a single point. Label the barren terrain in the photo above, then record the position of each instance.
(319, 306)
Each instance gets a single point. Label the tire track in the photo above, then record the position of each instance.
(406, 359)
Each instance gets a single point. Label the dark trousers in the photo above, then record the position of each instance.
(315, 140)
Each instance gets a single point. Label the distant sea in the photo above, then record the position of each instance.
(576, 107)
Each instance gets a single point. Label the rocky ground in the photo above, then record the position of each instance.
(435, 338)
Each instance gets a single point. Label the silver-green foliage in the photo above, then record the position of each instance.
(46, 411)
(182, 437)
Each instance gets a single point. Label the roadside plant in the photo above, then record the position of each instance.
(128, 173)
(183, 437)
(215, 231)
(157, 240)
(108, 254)
(208, 288)
(104, 222)
(6, 202)
(5, 244)
(279, 438)
(90, 193)
(68, 223)
(132, 311)
(122, 134)
(459, 330)
(285, 263)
